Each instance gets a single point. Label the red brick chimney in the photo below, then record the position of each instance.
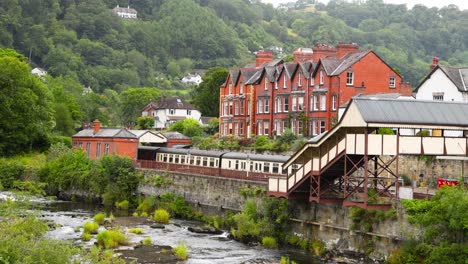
(405, 89)
(262, 57)
(435, 62)
(303, 54)
(322, 51)
(96, 126)
(346, 48)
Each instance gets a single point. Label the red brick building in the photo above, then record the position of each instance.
(98, 141)
(303, 95)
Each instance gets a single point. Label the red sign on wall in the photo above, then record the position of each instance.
(447, 182)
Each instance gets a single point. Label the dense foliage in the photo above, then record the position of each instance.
(445, 229)
(113, 178)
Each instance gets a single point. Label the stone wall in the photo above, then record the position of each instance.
(211, 191)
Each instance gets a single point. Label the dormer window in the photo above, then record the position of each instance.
(350, 78)
(321, 76)
(299, 82)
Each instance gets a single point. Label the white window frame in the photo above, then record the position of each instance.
(392, 81)
(171, 111)
(266, 127)
(315, 102)
(334, 101)
(299, 82)
(322, 128)
(266, 84)
(349, 78)
(323, 102)
(236, 108)
(260, 106)
(294, 103)
(284, 81)
(267, 105)
(286, 104)
(300, 103)
(230, 88)
(321, 76)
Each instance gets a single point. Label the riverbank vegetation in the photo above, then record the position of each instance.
(443, 220)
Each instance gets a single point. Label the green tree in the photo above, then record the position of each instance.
(189, 127)
(144, 122)
(134, 100)
(26, 115)
(206, 95)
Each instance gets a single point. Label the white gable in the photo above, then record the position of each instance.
(437, 85)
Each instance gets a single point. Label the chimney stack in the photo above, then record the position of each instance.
(303, 55)
(321, 51)
(346, 48)
(96, 126)
(262, 57)
(435, 62)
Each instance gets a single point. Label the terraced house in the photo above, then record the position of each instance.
(304, 95)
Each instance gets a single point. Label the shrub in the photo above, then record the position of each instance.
(99, 218)
(10, 172)
(161, 216)
(269, 242)
(144, 214)
(123, 205)
(137, 231)
(86, 236)
(90, 227)
(135, 214)
(32, 187)
(110, 238)
(146, 241)
(147, 205)
(180, 251)
(318, 248)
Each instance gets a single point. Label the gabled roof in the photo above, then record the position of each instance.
(234, 75)
(256, 78)
(306, 67)
(107, 133)
(457, 75)
(174, 135)
(171, 103)
(247, 73)
(290, 68)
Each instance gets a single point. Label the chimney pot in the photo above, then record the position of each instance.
(435, 62)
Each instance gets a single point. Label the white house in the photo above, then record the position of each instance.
(169, 110)
(39, 72)
(444, 83)
(125, 12)
(192, 79)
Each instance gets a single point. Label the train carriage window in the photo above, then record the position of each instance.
(171, 158)
(266, 167)
(216, 162)
(182, 159)
(251, 166)
(191, 160)
(198, 161)
(243, 165)
(237, 165)
(176, 159)
(212, 162)
(165, 157)
(285, 171)
(205, 161)
(275, 167)
(229, 165)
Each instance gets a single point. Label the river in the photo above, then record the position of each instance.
(69, 218)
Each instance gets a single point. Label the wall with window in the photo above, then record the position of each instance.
(99, 147)
(439, 87)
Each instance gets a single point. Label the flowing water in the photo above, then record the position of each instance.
(69, 218)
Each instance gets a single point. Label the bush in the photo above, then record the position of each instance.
(135, 214)
(10, 171)
(99, 218)
(161, 216)
(32, 187)
(111, 238)
(318, 248)
(269, 242)
(123, 205)
(180, 251)
(90, 228)
(147, 205)
(137, 231)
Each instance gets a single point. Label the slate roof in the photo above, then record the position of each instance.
(107, 133)
(174, 135)
(247, 73)
(459, 76)
(290, 69)
(393, 111)
(234, 75)
(171, 103)
(334, 66)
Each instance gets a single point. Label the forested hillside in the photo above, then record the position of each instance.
(82, 43)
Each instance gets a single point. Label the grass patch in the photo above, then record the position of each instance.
(99, 218)
(90, 228)
(137, 231)
(111, 238)
(135, 214)
(161, 216)
(86, 236)
(147, 241)
(123, 205)
(269, 242)
(180, 251)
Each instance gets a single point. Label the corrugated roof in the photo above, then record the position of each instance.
(415, 112)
